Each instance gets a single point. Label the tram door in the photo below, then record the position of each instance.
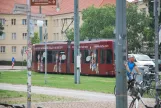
(59, 60)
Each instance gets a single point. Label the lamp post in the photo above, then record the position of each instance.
(76, 43)
(40, 24)
(156, 40)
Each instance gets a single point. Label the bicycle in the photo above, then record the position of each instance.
(11, 106)
(149, 82)
(134, 76)
(136, 93)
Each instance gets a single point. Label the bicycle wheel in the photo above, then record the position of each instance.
(133, 103)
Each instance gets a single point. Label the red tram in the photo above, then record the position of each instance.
(97, 57)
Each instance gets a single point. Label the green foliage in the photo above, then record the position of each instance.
(35, 39)
(1, 29)
(70, 34)
(138, 28)
(100, 23)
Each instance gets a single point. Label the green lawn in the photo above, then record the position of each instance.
(89, 83)
(13, 97)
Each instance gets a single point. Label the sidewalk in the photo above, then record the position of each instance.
(90, 99)
(4, 67)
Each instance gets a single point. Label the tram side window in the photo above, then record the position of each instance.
(54, 56)
(86, 54)
(96, 56)
(60, 56)
(36, 57)
(102, 56)
(72, 56)
(108, 56)
(49, 57)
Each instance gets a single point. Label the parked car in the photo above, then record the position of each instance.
(159, 63)
(142, 60)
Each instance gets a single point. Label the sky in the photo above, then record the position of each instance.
(129, 0)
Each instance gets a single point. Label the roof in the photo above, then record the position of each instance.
(66, 6)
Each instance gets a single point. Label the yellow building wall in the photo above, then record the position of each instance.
(54, 26)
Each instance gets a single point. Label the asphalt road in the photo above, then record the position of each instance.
(89, 99)
(86, 95)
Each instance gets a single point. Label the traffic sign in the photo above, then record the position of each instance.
(38, 16)
(42, 2)
(20, 8)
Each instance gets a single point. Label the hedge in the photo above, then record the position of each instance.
(17, 63)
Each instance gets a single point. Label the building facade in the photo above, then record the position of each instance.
(14, 38)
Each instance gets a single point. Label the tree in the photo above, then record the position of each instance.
(1, 29)
(100, 23)
(70, 34)
(139, 30)
(35, 39)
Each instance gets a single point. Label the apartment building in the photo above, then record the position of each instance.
(142, 5)
(14, 38)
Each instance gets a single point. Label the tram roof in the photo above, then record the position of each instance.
(65, 42)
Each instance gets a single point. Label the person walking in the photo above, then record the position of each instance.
(13, 62)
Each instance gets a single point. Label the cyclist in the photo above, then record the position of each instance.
(130, 65)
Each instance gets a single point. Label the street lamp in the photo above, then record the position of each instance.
(40, 24)
(57, 6)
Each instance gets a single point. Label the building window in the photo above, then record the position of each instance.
(46, 22)
(2, 21)
(2, 49)
(64, 21)
(24, 22)
(13, 21)
(24, 48)
(13, 36)
(13, 49)
(56, 22)
(24, 36)
(2, 37)
(57, 36)
(54, 36)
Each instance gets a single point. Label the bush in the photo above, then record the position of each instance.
(17, 63)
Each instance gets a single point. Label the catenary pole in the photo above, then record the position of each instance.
(29, 56)
(156, 40)
(45, 55)
(40, 28)
(76, 43)
(121, 81)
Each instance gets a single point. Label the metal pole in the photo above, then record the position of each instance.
(156, 42)
(76, 43)
(121, 81)
(29, 58)
(40, 28)
(45, 55)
